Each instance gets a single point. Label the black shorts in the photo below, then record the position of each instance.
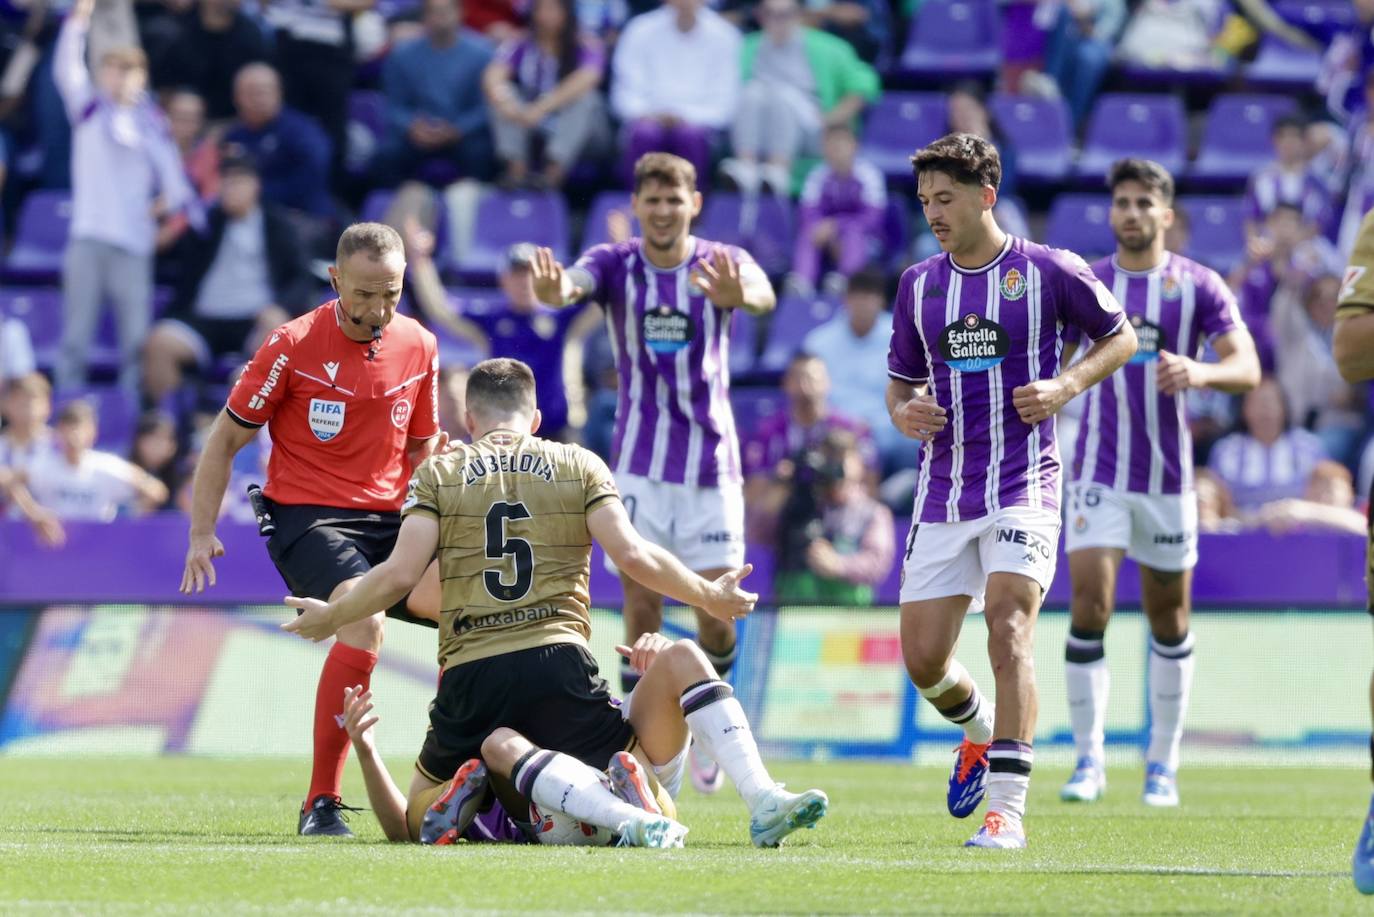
(551, 695)
(317, 547)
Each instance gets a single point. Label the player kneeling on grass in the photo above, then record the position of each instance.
(512, 517)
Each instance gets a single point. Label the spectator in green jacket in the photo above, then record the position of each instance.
(797, 81)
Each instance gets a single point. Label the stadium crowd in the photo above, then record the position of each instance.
(189, 163)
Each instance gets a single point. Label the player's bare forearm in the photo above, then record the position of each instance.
(385, 798)
(383, 586)
(1353, 346)
(1105, 357)
(759, 296)
(1237, 369)
(649, 565)
(420, 449)
(899, 393)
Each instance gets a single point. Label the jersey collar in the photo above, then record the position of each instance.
(1116, 266)
(1006, 247)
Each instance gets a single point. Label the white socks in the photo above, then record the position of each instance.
(1009, 770)
(1088, 683)
(563, 783)
(1171, 680)
(717, 722)
(974, 714)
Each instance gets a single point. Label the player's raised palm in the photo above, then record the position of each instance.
(548, 275)
(729, 601)
(719, 279)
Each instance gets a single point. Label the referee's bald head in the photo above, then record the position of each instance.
(377, 240)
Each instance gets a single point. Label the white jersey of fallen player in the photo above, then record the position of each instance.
(562, 830)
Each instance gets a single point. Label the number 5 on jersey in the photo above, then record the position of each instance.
(500, 545)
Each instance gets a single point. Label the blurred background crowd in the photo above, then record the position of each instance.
(174, 174)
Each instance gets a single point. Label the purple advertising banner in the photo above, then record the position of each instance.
(141, 561)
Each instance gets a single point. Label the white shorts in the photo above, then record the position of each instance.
(954, 558)
(1155, 530)
(702, 526)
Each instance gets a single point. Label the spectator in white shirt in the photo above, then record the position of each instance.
(80, 483)
(853, 345)
(676, 82)
(126, 173)
(26, 441)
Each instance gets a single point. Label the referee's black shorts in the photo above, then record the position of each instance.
(317, 547)
(552, 695)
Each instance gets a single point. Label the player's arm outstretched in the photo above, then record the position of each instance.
(651, 566)
(555, 285)
(207, 494)
(1042, 399)
(383, 586)
(385, 798)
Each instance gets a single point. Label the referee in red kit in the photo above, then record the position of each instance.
(349, 396)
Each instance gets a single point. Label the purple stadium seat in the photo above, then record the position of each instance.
(754, 404)
(1279, 65)
(505, 218)
(1217, 230)
(1235, 142)
(952, 38)
(116, 414)
(896, 244)
(794, 319)
(594, 229)
(40, 238)
(40, 309)
(898, 125)
(1079, 223)
(375, 204)
(1040, 131)
(1323, 19)
(1134, 124)
(762, 224)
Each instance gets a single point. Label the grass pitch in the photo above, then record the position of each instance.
(213, 836)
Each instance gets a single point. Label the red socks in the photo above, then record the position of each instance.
(345, 667)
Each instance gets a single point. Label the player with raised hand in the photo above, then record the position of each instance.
(512, 518)
(348, 395)
(1353, 344)
(1132, 481)
(976, 376)
(668, 298)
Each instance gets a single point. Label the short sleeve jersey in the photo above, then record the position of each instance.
(1133, 437)
(672, 355)
(339, 420)
(975, 336)
(1357, 292)
(514, 548)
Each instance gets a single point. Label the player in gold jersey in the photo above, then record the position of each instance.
(1354, 347)
(512, 518)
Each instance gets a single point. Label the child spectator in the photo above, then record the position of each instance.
(842, 207)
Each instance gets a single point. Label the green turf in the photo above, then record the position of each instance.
(179, 835)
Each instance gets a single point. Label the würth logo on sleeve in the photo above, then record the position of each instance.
(326, 418)
(258, 401)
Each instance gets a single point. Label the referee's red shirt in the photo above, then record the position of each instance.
(339, 421)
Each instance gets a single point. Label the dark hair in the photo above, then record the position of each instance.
(569, 41)
(501, 387)
(75, 412)
(34, 383)
(377, 239)
(869, 279)
(1145, 171)
(666, 169)
(965, 158)
(1287, 122)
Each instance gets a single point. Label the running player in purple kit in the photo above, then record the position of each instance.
(669, 298)
(976, 375)
(1131, 491)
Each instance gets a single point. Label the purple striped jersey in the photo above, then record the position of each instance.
(672, 353)
(974, 336)
(1133, 438)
